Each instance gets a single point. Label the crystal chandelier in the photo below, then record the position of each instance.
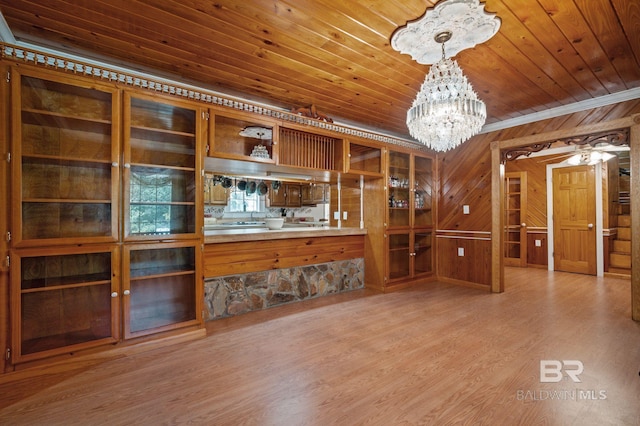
(446, 111)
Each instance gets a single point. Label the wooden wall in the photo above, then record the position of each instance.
(4, 223)
(465, 178)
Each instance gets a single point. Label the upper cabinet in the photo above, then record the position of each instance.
(364, 159)
(65, 160)
(242, 138)
(162, 168)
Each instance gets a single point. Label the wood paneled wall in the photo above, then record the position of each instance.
(465, 178)
(253, 256)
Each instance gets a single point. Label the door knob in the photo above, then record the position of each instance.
(524, 225)
(590, 226)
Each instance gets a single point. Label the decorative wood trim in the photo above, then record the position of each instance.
(568, 133)
(635, 218)
(512, 154)
(612, 137)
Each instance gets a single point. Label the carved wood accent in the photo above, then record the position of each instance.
(312, 112)
(512, 154)
(612, 137)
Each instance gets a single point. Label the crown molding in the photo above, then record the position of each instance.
(613, 98)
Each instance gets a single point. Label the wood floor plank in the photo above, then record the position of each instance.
(432, 354)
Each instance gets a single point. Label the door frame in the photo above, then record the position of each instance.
(599, 218)
(497, 176)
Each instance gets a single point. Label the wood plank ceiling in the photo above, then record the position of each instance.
(336, 54)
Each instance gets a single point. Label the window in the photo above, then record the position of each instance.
(240, 201)
(150, 211)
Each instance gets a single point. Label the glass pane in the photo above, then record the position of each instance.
(398, 255)
(63, 317)
(424, 256)
(65, 220)
(513, 185)
(399, 191)
(162, 287)
(423, 191)
(512, 250)
(157, 302)
(365, 158)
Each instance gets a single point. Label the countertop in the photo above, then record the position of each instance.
(214, 236)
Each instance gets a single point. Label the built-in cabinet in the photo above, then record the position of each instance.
(314, 193)
(409, 220)
(287, 195)
(87, 269)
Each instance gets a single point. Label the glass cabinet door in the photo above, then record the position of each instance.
(399, 256)
(422, 253)
(66, 155)
(160, 287)
(160, 167)
(422, 197)
(399, 189)
(64, 301)
(515, 238)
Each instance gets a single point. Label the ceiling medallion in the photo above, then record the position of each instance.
(469, 24)
(446, 111)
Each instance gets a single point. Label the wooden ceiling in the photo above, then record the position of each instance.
(336, 54)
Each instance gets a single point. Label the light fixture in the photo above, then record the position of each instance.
(589, 158)
(446, 111)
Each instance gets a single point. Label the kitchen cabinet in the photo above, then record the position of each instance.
(314, 194)
(86, 269)
(214, 192)
(409, 220)
(288, 195)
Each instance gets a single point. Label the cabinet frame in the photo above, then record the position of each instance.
(398, 275)
(198, 285)
(18, 239)
(17, 307)
(251, 119)
(199, 135)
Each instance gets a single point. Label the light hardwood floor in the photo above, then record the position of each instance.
(433, 354)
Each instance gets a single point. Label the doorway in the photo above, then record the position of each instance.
(573, 198)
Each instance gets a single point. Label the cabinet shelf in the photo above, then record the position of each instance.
(64, 160)
(153, 168)
(34, 286)
(56, 119)
(65, 201)
(149, 273)
(395, 249)
(158, 131)
(163, 203)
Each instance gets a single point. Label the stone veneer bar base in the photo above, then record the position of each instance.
(237, 294)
